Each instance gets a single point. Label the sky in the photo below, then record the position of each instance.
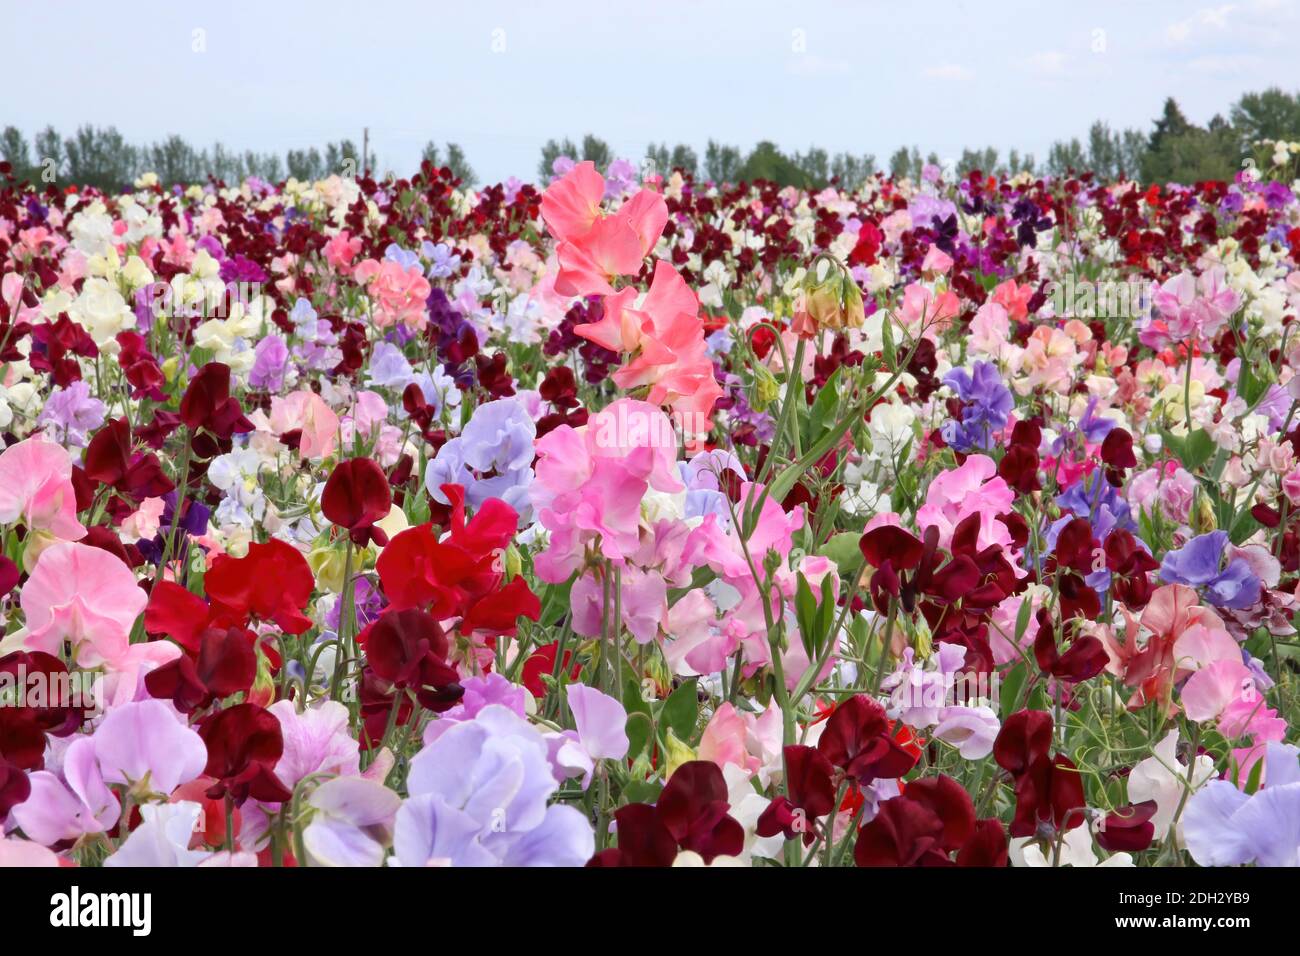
(501, 77)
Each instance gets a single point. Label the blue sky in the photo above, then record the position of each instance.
(501, 77)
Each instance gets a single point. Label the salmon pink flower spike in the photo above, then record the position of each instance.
(594, 247)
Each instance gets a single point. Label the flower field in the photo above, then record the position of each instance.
(633, 520)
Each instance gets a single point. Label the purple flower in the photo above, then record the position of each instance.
(389, 367)
(73, 413)
(1225, 827)
(1197, 564)
(986, 405)
(271, 360)
(492, 457)
(478, 797)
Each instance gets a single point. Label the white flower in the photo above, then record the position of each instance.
(1076, 850)
(1162, 777)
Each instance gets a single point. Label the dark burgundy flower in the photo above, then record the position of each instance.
(691, 814)
(357, 495)
(1085, 658)
(408, 649)
(1025, 737)
(244, 744)
(226, 664)
(811, 795)
(1049, 792)
(1117, 453)
(904, 832)
(15, 787)
(207, 403)
(857, 739)
(1128, 829)
(109, 460)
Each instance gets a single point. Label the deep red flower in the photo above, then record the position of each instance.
(244, 744)
(10, 575)
(932, 819)
(1025, 738)
(857, 740)
(408, 649)
(207, 403)
(1085, 658)
(55, 346)
(1117, 453)
(226, 664)
(357, 495)
(811, 795)
(109, 460)
(140, 367)
(1128, 829)
(691, 813)
(272, 582)
(1049, 792)
(903, 832)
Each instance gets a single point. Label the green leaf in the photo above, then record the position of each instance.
(805, 612)
(681, 709)
(639, 731)
(824, 406)
(1194, 450)
(1009, 690)
(843, 549)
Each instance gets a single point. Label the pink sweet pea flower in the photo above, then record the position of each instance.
(147, 744)
(83, 595)
(973, 488)
(307, 412)
(36, 488)
(594, 247)
(399, 294)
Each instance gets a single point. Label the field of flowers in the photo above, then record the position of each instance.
(638, 521)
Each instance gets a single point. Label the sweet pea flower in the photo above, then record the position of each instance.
(36, 488)
(1225, 827)
(398, 293)
(1197, 564)
(478, 797)
(85, 596)
(163, 837)
(351, 823)
(1164, 778)
(70, 800)
(600, 734)
(147, 745)
(974, 488)
(307, 412)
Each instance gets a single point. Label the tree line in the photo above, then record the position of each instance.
(1174, 150)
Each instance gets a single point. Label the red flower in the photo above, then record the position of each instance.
(542, 661)
(857, 740)
(1085, 659)
(691, 814)
(15, 787)
(934, 818)
(207, 403)
(177, 612)
(244, 745)
(226, 664)
(109, 460)
(1117, 453)
(811, 795)
(1128, 829)
(1049, 790)
(273, 582)
(460, 576)
(355, 497)
(408, 649)
(141, 368)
